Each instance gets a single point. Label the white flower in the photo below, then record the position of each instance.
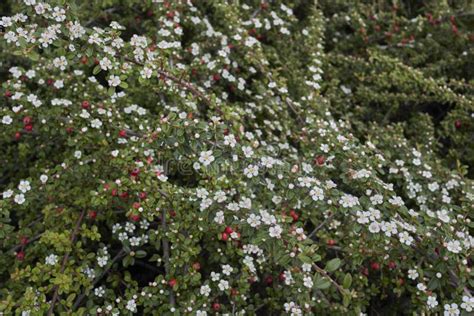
(7, 194)
(7, 120)
(227, 269)
(413, 274)
(51, 260)
(374, 227)
(275, 231)
(96, 123)
(254, 220)
(432, 302)
(467, 303)
(405, 238)
(451, 310)
(99, 292)
(131, 306)
(205, 290)
(114, 81)
(24, 186)
(219, 218)
(308, 282)
(43, 178)
(206, 157)
(60, 62)
(102, 261)
(251, 171)
(223, 285)
(454, 246)
(77, 154)
(317, 194)
(397, 201)
(105, 63)
(421, 287)
(348, 200)
(146, 72)
(19, 199)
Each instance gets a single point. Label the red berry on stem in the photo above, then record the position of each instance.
(375, 266)
(458, 124)
(172, 282)
(92, 214)
(216, 306)
(225, 236)
(331, 242)
(23, 240)
(85, 104)
(392, 265)
(228, 230)
(20, 255)
(123, 133)
(135, 217)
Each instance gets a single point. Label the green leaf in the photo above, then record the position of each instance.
(322, 283)
(140, 254)
(347, 281)
(96, 70)
(333, 265)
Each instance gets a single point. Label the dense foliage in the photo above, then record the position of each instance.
(236, 157)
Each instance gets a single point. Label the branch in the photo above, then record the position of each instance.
(325, 274)
(65, 259)
(320, 226)
(79, 299)
(166, 251)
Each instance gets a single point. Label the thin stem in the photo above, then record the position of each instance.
(65, 259)
(79, 299)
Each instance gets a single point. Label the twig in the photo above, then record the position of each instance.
(320, 226)
(65, 259)
(79, 299)
(166, 250)
(325, 274)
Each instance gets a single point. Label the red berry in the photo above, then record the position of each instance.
(196, 266)
(123, 133)
(365, 271)
(282, 277)
(331, 242)
(228, 230)
(225, 236)
(294, 215)
(172, 282)
(216, 77)
(375, 266)
(135, 217)
(27, 120)
(92, 214)
(216, 306)
(124, 195)
(142, 195)
(392, 265)
(20, 255)
(50, 82)
(23, 240)
(114, 192)
(136, 205)
(85, 104)
(8, 94)
(28, 128)
(458, 124)
(135, 172)
(269, 280)
(69, 130)
(172, 213)
(17, 135)
(319, 160)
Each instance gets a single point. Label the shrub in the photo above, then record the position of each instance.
(186, 157)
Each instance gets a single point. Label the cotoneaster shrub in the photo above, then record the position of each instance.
(179, 158)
